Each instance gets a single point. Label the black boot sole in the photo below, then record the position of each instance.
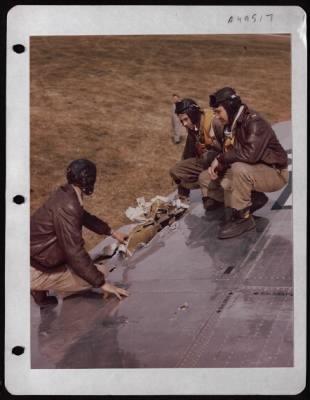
(48, 303)
(212, 208)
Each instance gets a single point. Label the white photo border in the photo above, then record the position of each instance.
(26, 21)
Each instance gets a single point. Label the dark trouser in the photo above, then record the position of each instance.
(185, 174)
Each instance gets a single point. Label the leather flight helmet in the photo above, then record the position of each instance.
(82, 173)
(228, 98)
(189, 107)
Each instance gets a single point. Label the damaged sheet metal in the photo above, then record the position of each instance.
(152, 217)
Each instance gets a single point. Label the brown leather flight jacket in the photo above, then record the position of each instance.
(254, 142)
(56, 236)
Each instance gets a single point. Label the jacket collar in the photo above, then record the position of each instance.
(79, 196)
(69, 188)
(229, 131)
(243, 113)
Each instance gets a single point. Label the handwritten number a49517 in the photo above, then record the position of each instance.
(253, 18)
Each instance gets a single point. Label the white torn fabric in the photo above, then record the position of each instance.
(160, 198)
(122, 249)
(114, 249)
(144, 210)
(141, 202)
(179, 204)
(135, 214)
(109, 250)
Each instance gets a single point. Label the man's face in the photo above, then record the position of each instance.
(89, 185)
(186, 121)
(221, 114)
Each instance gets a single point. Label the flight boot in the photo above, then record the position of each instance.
(42, 299)
(183, 193)
(258, 199)
(241, 222)
(210, 204)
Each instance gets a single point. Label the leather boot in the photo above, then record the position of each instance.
(241, 222)
(210, 204)
(258, 199)
(42, 299)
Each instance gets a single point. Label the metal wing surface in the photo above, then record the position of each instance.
(195, 301)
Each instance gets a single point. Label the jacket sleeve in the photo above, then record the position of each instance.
(253, 146)
(95, 224)
(68, 233)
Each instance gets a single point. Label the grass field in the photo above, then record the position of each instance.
(109, 99)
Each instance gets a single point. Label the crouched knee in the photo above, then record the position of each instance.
(235, 171)
(175, 173)
(239, 168)
(204, 178)
(226, 183)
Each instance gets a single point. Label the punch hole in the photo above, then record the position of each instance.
(18, 199)
(18, 350)
(19, 48)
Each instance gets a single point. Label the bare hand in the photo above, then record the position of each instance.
(108, 289)
(121, 237)
(212, 169)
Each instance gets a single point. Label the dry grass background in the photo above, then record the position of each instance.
(109, 99)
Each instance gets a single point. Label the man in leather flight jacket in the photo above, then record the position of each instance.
(58, 258)
(251, 160)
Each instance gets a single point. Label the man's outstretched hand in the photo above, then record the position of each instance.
(108, 289)
(121, 237)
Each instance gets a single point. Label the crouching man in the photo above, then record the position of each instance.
(58, 258)
(251, 161)
(197, 155)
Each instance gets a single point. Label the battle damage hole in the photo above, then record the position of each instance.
(18, 199)
(19, 48)
(229, 269)
(18, 350)
(184, 306)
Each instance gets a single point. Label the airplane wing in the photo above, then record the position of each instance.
(195, 301)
